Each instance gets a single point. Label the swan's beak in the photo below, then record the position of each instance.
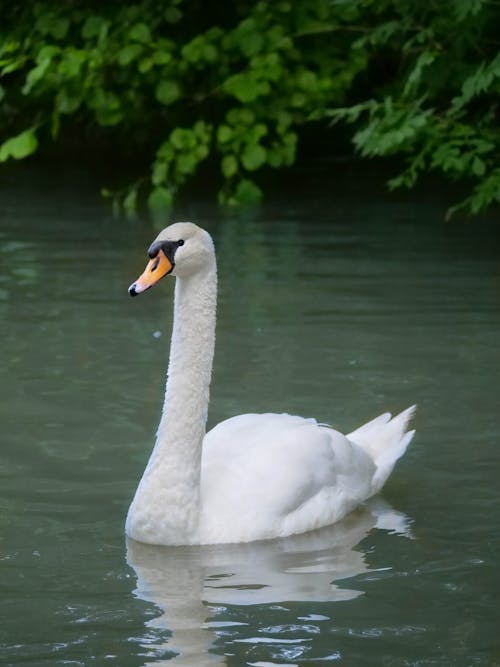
(157, 267)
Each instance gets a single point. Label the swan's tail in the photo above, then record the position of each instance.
(385, 439)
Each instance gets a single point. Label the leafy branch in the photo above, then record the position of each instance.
(237, 95)
(187, 84)
(441, 111)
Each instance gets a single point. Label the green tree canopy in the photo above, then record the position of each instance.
(436, 102)
(235, 82)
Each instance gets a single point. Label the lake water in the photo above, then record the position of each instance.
(337, 302)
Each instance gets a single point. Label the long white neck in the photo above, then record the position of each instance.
(166, 507)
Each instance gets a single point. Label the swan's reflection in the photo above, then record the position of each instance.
(182, 581)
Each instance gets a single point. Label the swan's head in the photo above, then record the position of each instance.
(181, 249)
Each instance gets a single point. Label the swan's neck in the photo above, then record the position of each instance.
(166, 507)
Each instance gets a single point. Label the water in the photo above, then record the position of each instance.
(334, 305)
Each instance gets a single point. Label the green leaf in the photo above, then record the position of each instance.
(247, 192)
(224, 134)
(140, 33)
(48, 23)
(186, 163)
(479, 82)
(251, 43)
(414, 78)
(202, 130)
(47, 52)
(129, 53)
(166, 152)
(478, 167)
(159, 174)
(160, 199)
(229, 165)
(183, 138)
(209, 53)
(11, 65)
(253, 157)
(71, 63)
(130, 201)
(167, 91)
(463, 9)
(258, 131)
(95, 26)
(59, 28)
(243, 86)
(285, 119)
(145, 65)
(109, 117)
(20, 146)
(275, 157)
(107, 107)
(381, 34)
(307, 80)
(241, 116)
(35, 75)
(161, 57)
(201, 151)
(67, 102)
(200, 49)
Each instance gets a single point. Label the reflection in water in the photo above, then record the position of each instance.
(185, 581)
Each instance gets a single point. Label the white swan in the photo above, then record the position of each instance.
(255, 476)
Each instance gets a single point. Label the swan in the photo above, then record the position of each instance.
(254, 476)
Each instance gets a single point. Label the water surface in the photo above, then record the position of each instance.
(338, 305)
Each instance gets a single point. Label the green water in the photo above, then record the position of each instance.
(338, 305)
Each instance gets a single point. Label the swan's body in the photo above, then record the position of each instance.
(251, 477)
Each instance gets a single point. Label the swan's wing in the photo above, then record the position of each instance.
(274, 474)
(279, 458)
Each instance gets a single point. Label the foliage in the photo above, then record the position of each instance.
(233, 83)
(184, 81)
(439, 108)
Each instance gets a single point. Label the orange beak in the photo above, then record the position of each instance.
(157, 267)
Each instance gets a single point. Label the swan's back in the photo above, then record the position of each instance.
(271, 475)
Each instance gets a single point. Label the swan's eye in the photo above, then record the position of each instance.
(180, 242)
